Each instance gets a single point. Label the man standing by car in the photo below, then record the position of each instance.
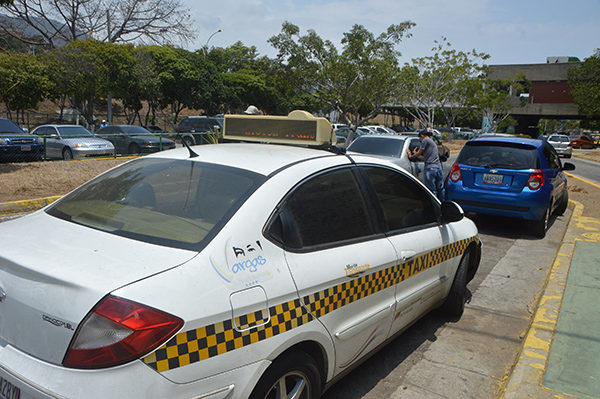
(433, 176)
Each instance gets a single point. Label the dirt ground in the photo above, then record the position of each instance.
(24, 181)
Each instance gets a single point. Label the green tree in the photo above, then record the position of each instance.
(443, 82)
(497, 98)
(23, 81)
(355, 82)
(584, 82)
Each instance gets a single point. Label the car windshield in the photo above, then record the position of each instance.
(7, 126)
(378, 146)
(176, 203)
(137, 130)
(499, 155)
(73, 131)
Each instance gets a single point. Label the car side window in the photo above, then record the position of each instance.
(325, 209)
(551, 156)
(404, 203)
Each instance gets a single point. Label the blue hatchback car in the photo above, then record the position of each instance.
(510, 176)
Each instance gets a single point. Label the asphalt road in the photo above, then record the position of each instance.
(468, 358)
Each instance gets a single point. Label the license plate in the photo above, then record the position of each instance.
(25, 148)
(8, 390)
(492, 179)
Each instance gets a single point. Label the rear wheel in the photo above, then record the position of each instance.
(67, 154)
(540, 226)
(292, 376)
(454, 305)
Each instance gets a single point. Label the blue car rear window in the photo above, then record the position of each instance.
(499, 155)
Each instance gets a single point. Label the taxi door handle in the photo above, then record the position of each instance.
(407, 254)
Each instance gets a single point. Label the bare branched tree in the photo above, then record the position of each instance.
(56, 22)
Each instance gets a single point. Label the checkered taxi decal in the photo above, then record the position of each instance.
(209, 341)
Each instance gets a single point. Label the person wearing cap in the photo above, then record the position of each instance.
(433, 175)
(103, 124)
(252, 110)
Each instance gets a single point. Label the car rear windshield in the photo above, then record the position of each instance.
(487, 154)
(176, 203)
(563, 139)
(378, 146)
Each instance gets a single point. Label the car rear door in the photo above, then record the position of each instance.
(343, 269)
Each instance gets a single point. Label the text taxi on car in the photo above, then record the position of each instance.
(230, 270)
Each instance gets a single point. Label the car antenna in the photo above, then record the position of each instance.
(192, 153)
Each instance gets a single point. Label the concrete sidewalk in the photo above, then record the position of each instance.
(560, 356)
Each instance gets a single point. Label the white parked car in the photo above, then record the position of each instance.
(232, 270)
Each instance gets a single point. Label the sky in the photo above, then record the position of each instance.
(510, 31)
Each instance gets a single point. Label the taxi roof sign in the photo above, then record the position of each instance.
(299, 127)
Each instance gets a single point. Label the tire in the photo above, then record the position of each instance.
(564, 202)
(67, 154)
(133, 149)
(188, 140)
(296, 373)
(454, 305)
(540, 226)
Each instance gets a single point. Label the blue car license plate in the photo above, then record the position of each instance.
(8, 390)
(492, 179)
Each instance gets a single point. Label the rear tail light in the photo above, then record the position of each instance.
(536, 180)
(454, 174)
(118, 331)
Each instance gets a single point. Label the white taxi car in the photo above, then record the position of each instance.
(232, 270)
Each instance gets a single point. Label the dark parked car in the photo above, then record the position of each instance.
(581, 142)
(131, 139)
(510, 176)
(16, 145)
(154, 129)
(196, 129)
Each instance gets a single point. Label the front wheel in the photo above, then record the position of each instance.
(292, 376)
(134, 149)
(67, 154)
(564, 202)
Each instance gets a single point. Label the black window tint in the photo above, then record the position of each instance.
(499, 155)
(551, 157)
(328, 208)
(404, 203)
(377, 146)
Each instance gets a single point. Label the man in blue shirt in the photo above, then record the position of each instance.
(433, 176)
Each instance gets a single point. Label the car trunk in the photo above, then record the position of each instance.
(48, 284)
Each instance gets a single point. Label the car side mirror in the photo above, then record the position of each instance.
(452, 212)
(568, 166)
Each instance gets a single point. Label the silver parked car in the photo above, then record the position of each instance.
(73, 142)
(560, 144)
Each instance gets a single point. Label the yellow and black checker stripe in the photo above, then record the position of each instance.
(205, 342)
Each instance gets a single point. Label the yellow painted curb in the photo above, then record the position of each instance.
(16, 207)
